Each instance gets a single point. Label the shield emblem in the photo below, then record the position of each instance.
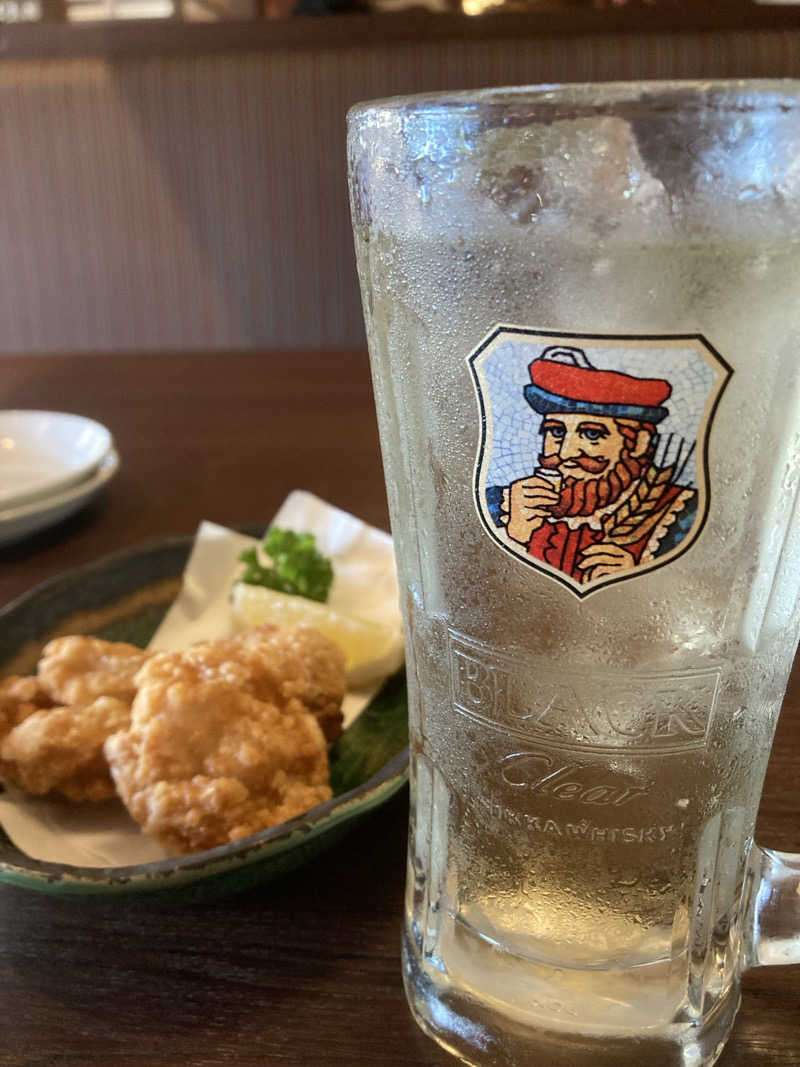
(592, 465)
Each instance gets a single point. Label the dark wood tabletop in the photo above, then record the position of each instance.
(306, 970)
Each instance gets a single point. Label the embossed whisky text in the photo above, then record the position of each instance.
(658, 712)
(547, 776)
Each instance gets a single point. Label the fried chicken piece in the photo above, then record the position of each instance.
(76, 670)
(273, 663)
(298, 661)
(57, 722)
(61, 749)
(20, 697)
(216, 750)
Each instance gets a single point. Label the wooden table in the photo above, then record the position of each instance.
(306, 971)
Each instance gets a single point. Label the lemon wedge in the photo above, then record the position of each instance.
(372, 650)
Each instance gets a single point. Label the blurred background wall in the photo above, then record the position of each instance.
(194, 201)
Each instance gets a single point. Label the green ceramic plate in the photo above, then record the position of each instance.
(123, 597)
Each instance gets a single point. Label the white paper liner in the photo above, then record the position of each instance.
(365, 584)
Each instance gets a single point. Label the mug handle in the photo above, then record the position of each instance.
(772, 929)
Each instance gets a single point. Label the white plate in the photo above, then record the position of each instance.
(44, 452)
(18, 522)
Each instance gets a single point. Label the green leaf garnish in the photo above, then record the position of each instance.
(297, 567)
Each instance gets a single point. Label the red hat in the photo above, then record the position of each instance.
(563, 380)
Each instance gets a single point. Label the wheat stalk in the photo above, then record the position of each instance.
(628, 523)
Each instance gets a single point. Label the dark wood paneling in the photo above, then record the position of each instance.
(189, 201)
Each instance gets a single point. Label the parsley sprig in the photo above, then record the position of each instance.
(297, 566)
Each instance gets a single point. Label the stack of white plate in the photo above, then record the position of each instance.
(51, 464)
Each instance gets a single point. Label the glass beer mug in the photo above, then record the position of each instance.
(583, 313)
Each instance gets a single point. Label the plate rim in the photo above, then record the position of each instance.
(108, 466)
(67, 478)
(100, 563)
(177, 871)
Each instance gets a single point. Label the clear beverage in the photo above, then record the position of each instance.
(585, 770)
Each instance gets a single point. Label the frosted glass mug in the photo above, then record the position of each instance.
(583, 313)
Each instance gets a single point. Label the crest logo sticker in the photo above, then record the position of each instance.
(592, 466)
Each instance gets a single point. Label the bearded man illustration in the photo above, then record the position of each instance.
(597, 506)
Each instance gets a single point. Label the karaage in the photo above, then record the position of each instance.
(273, 663)
(204, 746)
(297, 661)
(54, 724)
(20, 696)
(76, 670)
(61, 750)
(220, 744)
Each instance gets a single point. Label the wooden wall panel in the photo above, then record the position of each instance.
(187, 202)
